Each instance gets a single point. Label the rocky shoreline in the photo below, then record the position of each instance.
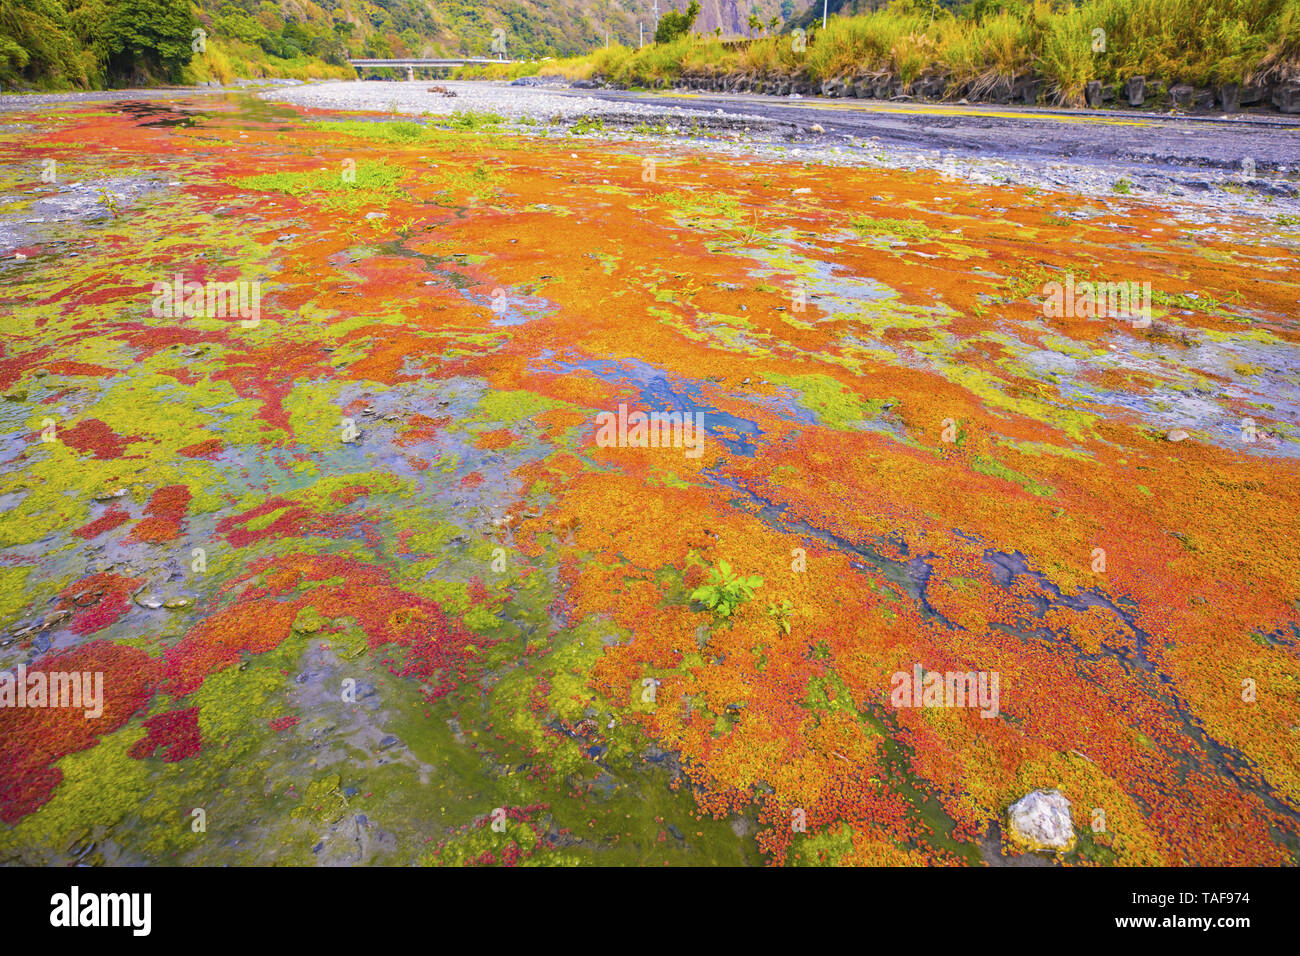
(1137, 92)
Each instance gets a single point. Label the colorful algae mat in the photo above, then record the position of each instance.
(401, 493)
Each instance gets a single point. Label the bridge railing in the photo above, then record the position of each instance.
(442, 61)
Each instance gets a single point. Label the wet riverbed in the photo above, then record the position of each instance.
(367, 589)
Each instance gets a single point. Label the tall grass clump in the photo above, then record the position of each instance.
(1067, 58)
(869, 44)
(985, 46)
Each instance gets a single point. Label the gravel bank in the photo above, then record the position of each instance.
(1198, 166)
(515, 103)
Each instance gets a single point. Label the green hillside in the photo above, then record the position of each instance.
(50, 44)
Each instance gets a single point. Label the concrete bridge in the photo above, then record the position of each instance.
(411, 64)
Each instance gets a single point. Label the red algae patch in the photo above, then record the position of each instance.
(111, 519)
(34, 737)
(174, 736)
(163, 515)
(98, 439)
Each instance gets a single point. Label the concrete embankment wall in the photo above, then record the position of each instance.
(1135, 93)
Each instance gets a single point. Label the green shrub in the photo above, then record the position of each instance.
(674, 25)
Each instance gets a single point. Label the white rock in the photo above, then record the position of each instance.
(1177, 434)
(1041, 821)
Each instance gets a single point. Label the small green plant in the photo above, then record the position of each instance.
(903, 228)
(698, 204)
(1285, 220)
(478, 184)
(781, 614)
(726, 591)
(472, 120)
(587, 124)
(1123, 186)
(374, 185)
(400, 132)
(108, 200)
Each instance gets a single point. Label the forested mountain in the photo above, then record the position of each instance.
(51, 43)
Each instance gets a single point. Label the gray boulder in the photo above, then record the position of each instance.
(1040, 821)
(1135, 89)
(1253, 93)
(930, 87)
(1287, 97)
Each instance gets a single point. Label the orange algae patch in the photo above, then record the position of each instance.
(496, 439)
(218, 641)
(424, 429)
(166, 509)
(202, 449)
